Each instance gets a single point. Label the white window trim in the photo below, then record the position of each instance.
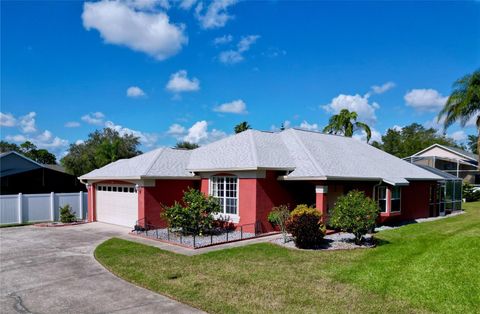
(230, 217)
(387, 206)
(399, 198)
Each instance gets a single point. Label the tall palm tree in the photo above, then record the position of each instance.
(243, 126)
(345, 123)
(463, 103)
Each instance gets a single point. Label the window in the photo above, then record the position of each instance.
(130, 190)
(382, 198)
(396, 203)
(109, 188)
(225, 190)
(99, 188)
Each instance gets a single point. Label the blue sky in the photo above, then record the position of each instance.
(191, 70)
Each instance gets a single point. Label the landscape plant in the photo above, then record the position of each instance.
(469, 194)
(278, 217)
(354, 213)
(66, 214)
(194, 214)
(306, 227)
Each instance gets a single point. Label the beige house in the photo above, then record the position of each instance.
(452, 160)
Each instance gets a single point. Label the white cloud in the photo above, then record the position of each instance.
(176, 130)
(286, 125)
(396, 128)
(230, 57)
(135, 92)
(376, 136)
(380, 89)
(197, 132)
(245, 43)
(307, 126)
(225, 39)
(27, 123)
(187, 4)
(237, 106)
(44, 140)
(458, 136)
(179, 82)
(235, 56)
(357, 103)
(145, 31)
(72, 124)
(424, 100)
(147, 139)
(7, 120)
(148, 4)
(215, 15)
(78, 142)
(95, 118)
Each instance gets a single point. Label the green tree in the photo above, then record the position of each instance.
(411, 139)
(29, 150)
(472, 142)
(345, 123)
(242, 126)
(186, 145)
(463, 103)
(8, 147)
(100, 149)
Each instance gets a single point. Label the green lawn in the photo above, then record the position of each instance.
(428, 267)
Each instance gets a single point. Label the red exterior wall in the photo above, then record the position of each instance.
(91, 203)
(165, 192)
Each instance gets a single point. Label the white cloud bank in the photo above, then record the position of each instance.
(425, 100)
(72, 124)
(215, 15)
(357, 103)
(95, 118)
(237, 106)
(7, 120)
(235, 56)
(135, 92)
(198, 133)
(121, 23)
(179, 83)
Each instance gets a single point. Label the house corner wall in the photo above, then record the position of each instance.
(91, 203)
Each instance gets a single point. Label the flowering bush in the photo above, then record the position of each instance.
(305, 226)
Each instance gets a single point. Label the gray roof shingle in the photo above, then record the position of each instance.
(305, 154)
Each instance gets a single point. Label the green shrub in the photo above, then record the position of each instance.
(66, 214)
(278, 217)
(469, 194)
(354, 213)
(305, 226)
(193, 214)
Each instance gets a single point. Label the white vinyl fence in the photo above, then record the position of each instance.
(22, 208)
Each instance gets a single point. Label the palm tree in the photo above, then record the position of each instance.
(345, 123)
(243, 126)
(186, 145)
(463, 103)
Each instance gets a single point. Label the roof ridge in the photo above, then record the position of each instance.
(157, 155)
(255, 156)
(309, 155)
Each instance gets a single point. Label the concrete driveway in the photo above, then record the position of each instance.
(52, 270)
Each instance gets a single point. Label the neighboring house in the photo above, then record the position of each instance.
(452, 160)
(20, 174)
(253, 171)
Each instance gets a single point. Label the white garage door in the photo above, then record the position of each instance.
(117, 204)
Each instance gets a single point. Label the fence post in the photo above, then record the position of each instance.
(20, 208)
(80, 204)
(52, 206)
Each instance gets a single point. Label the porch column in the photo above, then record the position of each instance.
(322, 200)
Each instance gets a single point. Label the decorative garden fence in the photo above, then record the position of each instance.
(24, 208)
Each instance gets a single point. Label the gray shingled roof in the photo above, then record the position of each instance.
(162, 162)
(302, 154)
(308, 154)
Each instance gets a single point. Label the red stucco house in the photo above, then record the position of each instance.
(253, 171)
